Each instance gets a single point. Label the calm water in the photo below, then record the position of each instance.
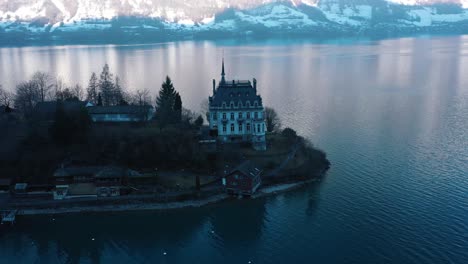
(392, 116)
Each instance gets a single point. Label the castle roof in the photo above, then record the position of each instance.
(235, 91)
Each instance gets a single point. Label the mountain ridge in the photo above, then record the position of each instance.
(325, 18)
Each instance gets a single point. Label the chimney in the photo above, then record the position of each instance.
(214, 86)
(255, 83)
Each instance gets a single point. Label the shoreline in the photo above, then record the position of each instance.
(155, 206)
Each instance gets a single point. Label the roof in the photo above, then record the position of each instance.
(247, 168)
(119, 109)
(235, 91)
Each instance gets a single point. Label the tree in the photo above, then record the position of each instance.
(78, 92)
(45, 82)
(6, 97)
(118, 95)
(177, 108)
(141, 97)
(92, 90)
(165, 103)
(199, 121)
(27, 95)
(99, 101)
(106, 86)
(289, 133)
(273, 123)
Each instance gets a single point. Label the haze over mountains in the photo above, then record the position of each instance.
(72, 20)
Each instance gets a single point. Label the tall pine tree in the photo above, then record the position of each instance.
(106, 86)
(177, 108)
(92, 90)
(165, 103)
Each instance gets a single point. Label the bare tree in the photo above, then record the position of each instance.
(142, 97)
(6, 97)
(273, 123)
(45, 82)
(78, 92)
(27, 96)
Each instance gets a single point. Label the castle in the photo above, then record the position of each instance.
(236, 112)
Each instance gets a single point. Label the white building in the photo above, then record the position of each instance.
(236, 112)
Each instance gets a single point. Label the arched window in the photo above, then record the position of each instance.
(248, 103)
(231, 104)
(248, 127)
(248, 115)
(255, 104)
(224, 116)
(232, 127)
(232, 116)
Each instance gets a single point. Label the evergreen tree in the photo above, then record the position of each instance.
(99, 100)
(106, 86)
(118, 93)
(165, 103)
(177, 108)
(92, 91)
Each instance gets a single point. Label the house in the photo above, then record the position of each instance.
(88, 181)
(121, 113)
(236, 112)
(243, 179)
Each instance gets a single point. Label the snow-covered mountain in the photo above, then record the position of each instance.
(79, 20)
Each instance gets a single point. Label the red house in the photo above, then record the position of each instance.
(243, 180)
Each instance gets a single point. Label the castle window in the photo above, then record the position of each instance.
(256, 104)
(231, 105)
(232, 116)
(256, 115)
(240, 115)
(248, 127)
(232, 127)
(241, 128)
(248, 103)
(224, 116)
(239, 104)
(248, 115)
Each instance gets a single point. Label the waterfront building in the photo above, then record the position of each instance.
(243, 179)
(236, 112)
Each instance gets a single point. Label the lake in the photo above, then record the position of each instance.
(391, 114)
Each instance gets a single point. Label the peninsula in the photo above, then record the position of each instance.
(66, 150)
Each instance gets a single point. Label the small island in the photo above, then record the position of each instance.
(66, 150)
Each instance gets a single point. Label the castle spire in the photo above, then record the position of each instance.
(223, 80)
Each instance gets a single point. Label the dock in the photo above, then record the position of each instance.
(9, 217)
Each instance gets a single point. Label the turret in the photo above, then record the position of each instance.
(223, 80)
(255, 83)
